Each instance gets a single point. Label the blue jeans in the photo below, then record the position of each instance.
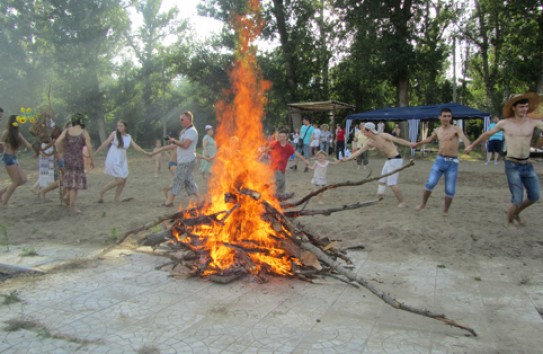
(447, 166)
(325, 146)
(519, 175)
(306, 151)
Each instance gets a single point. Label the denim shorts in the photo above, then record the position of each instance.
(10, 160)
(521, 175)
(447, 166)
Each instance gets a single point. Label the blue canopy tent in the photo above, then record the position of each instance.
(415, 114)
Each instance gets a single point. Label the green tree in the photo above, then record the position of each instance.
(152, 55)
(25, 54)
(86, 36)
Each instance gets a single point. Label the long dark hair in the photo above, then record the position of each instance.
(120, 141)
(13, 133)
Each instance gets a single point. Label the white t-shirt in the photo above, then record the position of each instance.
(188, 154)
(315, 138)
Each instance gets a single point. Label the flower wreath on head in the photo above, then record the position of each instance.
(41, 124)
(26, 115)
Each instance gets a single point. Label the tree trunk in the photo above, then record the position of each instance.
(279, 12)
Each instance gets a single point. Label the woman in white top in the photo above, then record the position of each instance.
(116, 164)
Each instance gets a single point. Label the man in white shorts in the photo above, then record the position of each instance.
(384, 142)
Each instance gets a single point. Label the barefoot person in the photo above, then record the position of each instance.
(71, 142)
(186, 159)
(11, 139)
(384, 142)
(518, 130)
(447, 160)
(116, 161)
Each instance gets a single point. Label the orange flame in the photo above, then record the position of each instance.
(236, 167)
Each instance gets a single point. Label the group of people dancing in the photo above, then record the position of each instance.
(517, 128)
(73, 155)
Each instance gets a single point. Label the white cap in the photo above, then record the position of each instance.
(371, 126)
(208, 127)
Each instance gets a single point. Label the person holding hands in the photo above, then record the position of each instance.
(518, 129)
(384, 142)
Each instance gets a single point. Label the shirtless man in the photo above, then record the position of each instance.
(385, 143)
(446, 162)
(518, 130)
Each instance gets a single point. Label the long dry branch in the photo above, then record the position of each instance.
(379, 293)
(344, 184)
(297, 213)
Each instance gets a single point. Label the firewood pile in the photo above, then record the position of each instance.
(307, 256)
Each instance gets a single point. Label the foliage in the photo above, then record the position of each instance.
(91, 56)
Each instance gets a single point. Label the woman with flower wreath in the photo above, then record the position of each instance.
(11, 139)
(116, 164)
(71, 142)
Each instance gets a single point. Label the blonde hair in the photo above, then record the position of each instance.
(322, 152)
(325, 126)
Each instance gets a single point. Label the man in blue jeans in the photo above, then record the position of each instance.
(518, 129)
(446, 162)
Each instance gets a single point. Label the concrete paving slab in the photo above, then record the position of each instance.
(122, 304)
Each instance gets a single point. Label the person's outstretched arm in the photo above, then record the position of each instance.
(106, 142)
(483, 137)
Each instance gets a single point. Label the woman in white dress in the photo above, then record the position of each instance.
(116, 164)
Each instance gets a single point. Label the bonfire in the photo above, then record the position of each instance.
(242, 229)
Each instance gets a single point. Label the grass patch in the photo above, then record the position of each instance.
(28, 252)
(5, 238)
(75, 264)
(17, 324)
(477, 279)
(115, 235)
(441, 266)
(11, 298)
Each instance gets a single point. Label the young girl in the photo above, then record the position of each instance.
(320, 167)
(158, 157)
(45, 164)
(11, 140)
(58, 167)
(71, 142)
(116, 161)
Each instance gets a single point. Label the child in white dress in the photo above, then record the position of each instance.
(320, 169)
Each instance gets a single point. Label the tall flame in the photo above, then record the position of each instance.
(237, 167)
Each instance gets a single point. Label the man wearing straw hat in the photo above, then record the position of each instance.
(518, 129)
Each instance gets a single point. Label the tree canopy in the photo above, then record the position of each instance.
(143, 63)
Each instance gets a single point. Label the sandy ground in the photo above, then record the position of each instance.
(473, 230)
